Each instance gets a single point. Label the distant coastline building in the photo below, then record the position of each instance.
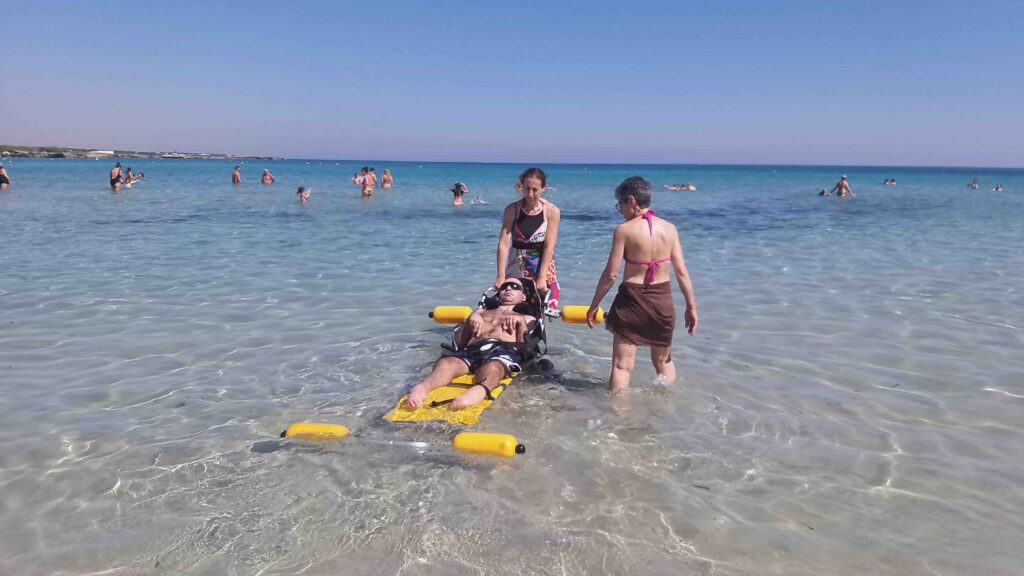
(99, 154)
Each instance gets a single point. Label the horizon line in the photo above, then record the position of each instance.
(378, 160)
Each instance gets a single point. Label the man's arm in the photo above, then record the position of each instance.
(523, 326)
(469, 329)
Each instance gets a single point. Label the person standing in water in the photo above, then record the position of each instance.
(368, 182)
(643, 313)
(236, 176)
(386, 180)
(5, 178)
(842, 188)
(526, 243)
(459, 190)
(267, 178)
(115, 177)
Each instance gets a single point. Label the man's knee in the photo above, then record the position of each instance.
(450, 364)
(491, 369)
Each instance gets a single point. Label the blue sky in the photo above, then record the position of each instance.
(903, 83)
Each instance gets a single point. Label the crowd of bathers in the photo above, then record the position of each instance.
(125, 178)
(842, 188)
(366, 179)
(688, 186)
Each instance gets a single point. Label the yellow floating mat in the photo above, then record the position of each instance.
(437, 407)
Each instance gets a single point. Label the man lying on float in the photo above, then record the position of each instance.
(488, 343)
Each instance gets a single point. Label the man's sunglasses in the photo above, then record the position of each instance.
(512, 286)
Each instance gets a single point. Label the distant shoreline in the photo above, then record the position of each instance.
(8, 151)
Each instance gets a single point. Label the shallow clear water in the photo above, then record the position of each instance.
(852, 402)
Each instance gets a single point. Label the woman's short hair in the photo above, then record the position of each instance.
(636, 187)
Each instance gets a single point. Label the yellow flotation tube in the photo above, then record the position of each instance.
(578, 314)
(315, 431)
(450, 314)
(477, 442)
(486, 443)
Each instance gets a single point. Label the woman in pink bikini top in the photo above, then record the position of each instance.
(643, 313)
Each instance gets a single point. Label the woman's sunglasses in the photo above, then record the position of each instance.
(511, 286)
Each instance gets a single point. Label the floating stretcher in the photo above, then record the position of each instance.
(532, 353)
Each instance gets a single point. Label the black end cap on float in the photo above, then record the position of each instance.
(284, 434)
(430, 314)
(520, 449)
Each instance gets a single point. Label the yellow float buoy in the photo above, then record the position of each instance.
(450, 314)
(578, 314)
(486, 443)
(315, 431)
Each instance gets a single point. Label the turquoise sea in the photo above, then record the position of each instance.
(852, 403)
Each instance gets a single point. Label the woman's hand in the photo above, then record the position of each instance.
(690, 317)
(592, 315)
(498, 281)
(541, 284)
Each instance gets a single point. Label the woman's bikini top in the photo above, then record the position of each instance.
(652, 265)
(528, 223)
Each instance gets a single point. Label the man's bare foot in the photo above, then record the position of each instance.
(471, 397)
(417, 396)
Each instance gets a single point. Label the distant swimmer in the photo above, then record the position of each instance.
(973, 185)
(824, 192)
(998, 188)
(842, 188)
(115, 177)
(889, 182)
(267, 178)
(5, 178)
(129, 178)
(303, 194)
(479, 200)
(236, 176)
(458, 190)
(386, 180)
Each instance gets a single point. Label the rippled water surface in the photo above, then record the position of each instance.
(851, 404)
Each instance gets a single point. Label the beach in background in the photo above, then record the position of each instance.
(852, 403)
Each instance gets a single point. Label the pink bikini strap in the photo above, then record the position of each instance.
(649, 216)
(652, 265)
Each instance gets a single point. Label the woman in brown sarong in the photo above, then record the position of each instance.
(643, 313)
